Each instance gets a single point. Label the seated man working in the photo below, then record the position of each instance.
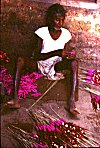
(53, 53)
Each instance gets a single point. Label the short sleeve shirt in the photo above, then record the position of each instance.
(48, 43)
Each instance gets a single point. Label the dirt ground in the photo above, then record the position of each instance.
(55, 99)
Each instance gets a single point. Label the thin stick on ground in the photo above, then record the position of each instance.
(43, 95)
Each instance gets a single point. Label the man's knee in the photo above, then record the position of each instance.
(74, 64)
(20, 61)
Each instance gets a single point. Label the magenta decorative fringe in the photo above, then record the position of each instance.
(93, 77)
(27, 84)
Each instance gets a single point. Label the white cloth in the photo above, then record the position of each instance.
(49, 44)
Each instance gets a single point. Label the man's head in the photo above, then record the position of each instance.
(55, 16)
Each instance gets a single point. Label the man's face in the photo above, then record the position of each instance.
(58, 21)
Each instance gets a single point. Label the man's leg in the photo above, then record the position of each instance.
(20, 65)
(14, 103)
(71, 65)
(73, 85)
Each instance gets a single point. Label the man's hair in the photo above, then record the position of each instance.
(53, 10)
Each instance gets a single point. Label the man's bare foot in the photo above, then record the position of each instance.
(12, 104)
(74, 111)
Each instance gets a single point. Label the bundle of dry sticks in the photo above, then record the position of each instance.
(52, 132)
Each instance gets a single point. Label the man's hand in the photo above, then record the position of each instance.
(70, 55)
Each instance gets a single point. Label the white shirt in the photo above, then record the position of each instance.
(49, 44)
